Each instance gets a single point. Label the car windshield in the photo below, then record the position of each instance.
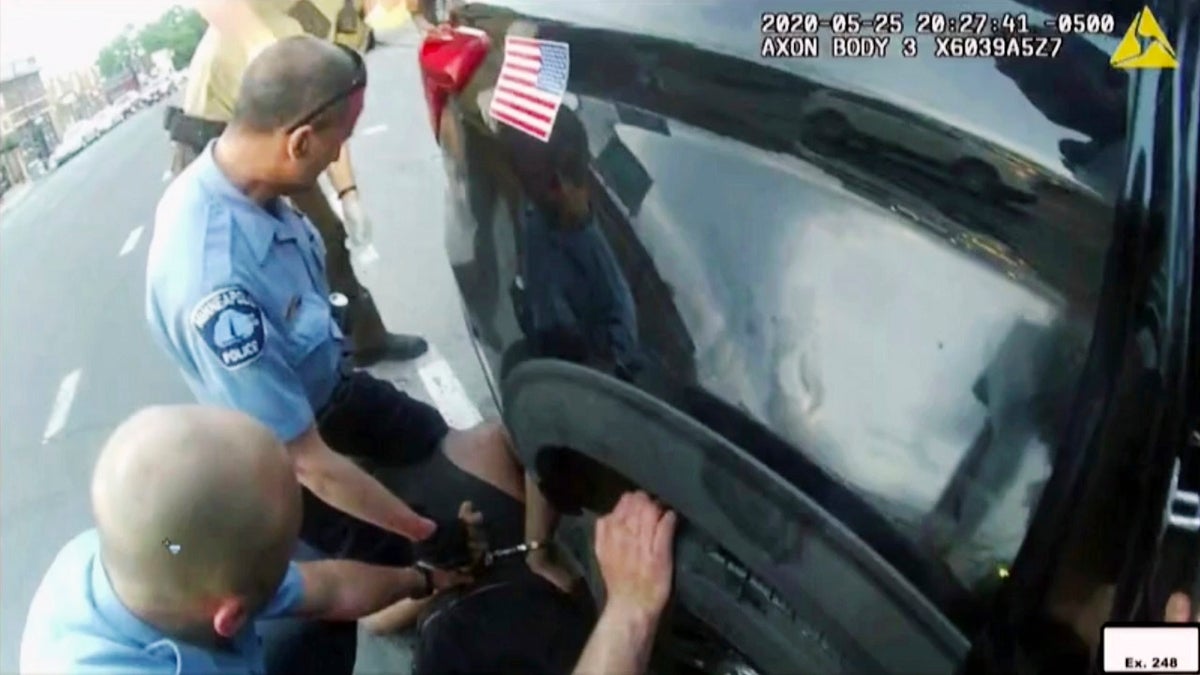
(922, 354)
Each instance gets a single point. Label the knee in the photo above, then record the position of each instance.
(493, 434)
(486, 451)
(495, 437)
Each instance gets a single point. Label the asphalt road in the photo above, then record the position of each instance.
(75, 353)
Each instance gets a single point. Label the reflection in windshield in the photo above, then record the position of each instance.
(904, 300)
(570, 297)
(891, 265)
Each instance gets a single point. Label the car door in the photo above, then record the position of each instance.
(963, 418)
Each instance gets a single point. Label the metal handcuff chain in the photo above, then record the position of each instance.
(471, 543)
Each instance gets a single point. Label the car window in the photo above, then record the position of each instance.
(923, 349)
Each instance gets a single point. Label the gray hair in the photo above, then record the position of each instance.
(289, 80)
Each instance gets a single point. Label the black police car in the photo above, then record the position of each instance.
(909, 342)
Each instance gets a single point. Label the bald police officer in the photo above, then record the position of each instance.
(236, 295)
(238, 30)
(196, 512)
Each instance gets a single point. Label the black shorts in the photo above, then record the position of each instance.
(398, 440)
(370, 419)
(376, 424)
(509, 621)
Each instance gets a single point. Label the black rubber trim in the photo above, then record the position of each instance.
(783, 537)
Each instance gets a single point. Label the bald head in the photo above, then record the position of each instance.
(291, 79)
(194, 502)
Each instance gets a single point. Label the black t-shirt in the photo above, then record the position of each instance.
(513, 621)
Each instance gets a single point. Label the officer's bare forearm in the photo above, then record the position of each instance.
(235, 19)
(417, 12)
(620, 642)
(342, 484)
(346, 590)
(341, 172)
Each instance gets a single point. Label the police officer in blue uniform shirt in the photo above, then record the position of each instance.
(236, 295)
(197, 511)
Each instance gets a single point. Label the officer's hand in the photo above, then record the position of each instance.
(418, 528)
(358, 226)
(633, 547)
(443, 579)
(455, 544)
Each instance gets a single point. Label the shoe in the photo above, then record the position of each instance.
(395, 347)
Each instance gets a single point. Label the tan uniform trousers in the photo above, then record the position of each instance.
(365, 327)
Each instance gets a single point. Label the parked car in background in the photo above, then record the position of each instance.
(77, 137)
(910, 425)
(155, 91)
(107, 118)
(842, 118)
(129, 103)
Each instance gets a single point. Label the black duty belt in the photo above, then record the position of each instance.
(341, 390)
(195, 132)
(339, 308)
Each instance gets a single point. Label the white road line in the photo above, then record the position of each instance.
(62, 404)
(372, 130)
(447, 392)
(131, 241)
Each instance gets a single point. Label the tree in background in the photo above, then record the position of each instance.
(118, 56)
(178, 31)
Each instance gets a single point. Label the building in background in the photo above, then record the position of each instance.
(75, 96)
(25, 115)
(12, 170)
(118, 85)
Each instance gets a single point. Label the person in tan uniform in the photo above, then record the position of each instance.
(238, 30)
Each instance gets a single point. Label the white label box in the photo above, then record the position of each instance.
(1167, 648)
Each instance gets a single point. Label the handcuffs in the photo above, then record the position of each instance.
(461, 545)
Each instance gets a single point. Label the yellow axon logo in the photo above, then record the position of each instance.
(1144, 45)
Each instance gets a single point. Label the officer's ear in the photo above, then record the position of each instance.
(230, 617)
(299, 142)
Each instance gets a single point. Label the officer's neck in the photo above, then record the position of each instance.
(245, 161)
(166, 615)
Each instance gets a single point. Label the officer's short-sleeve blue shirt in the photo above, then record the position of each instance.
(236, 294)
(77, 624)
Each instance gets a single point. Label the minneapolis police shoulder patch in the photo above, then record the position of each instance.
(230, 322)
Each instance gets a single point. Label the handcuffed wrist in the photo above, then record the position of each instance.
(426, 587)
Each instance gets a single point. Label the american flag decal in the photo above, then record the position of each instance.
(531, 85)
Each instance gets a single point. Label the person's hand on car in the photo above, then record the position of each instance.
(1179, 609)
(633, 547)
